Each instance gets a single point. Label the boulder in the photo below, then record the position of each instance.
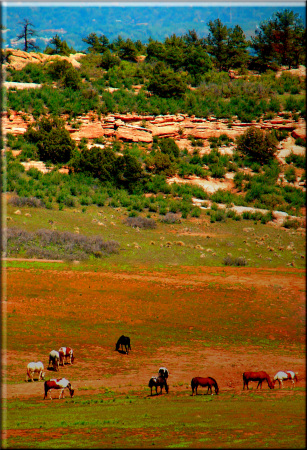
(133, 134)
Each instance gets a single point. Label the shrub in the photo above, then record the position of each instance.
(141, 222)
(290, 175)
(291, 223)
(171, 218)
(61, 245)
(297, 160)
(52, 140)
(27, 201)
(196, 212)
(232, 261)
(257, 145)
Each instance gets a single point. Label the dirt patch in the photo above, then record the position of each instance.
(99, 367)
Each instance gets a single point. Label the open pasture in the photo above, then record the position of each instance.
(216, 322)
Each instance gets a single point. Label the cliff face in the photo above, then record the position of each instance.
(134, 128)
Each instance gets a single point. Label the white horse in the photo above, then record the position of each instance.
(33, 368)
(54, 359)
(283, 376)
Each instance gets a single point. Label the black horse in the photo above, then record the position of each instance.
(123, 341)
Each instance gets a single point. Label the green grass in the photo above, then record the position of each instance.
(219, 238)
(204, 421)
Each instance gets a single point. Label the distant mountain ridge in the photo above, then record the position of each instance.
(73, 23)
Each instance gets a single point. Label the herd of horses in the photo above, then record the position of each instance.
(66, 355)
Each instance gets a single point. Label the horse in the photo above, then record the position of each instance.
(257, 376)
(60, 383)
(204, 382)
(66, 353)
(283, 376)
(123, 341)
(163, 372)
(156, 382)
(54, 359)
(33, 368)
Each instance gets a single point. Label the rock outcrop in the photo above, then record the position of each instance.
(18, 59)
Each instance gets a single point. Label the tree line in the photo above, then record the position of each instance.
(278, 41)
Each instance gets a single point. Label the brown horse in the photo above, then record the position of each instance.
(204, 382)
(257, 376)
(156, 382)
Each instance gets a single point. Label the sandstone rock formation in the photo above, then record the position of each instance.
(17, 59)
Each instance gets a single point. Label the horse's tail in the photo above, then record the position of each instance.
(193, 385)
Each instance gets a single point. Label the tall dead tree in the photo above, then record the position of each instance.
(27, 35)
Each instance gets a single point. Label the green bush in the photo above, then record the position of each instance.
(257, 145)
(52, 140)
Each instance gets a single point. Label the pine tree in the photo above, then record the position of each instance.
(238, 55)
(97, 44)
(280, 40)
(217, 44)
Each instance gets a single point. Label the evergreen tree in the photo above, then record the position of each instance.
(97, 44)
(52, 139)
(27, 35)
(238, 55)
(164, 82)
(127, 50)
(280, 40)
(61, 47)
(217, 44)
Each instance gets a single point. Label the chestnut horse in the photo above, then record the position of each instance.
(204, 382)
(156, 382)
(257, 376)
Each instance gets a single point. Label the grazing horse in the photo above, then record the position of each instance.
(66, 353)
(283, 376)
(156, 382)
(204, 382)
(60, 383)
(257, 376)
(33, 368)
(123, 341)
(163, 372)
(54, 359)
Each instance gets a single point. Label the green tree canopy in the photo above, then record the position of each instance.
(97, 44)
(60, 47)
(227, 46)
(127, 50)
(52, 140)
(96, 161)
(257, 145)
(164, 82)
(280, 40)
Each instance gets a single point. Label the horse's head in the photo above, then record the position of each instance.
(72, 358)
(43, 375)
(216, 389)
(71, 390)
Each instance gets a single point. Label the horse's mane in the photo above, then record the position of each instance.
(212, 379)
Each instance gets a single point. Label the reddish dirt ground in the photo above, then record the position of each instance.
(105, 368)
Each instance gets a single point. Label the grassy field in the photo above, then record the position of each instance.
(194, 242)
(134, 420)
(182, 309)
